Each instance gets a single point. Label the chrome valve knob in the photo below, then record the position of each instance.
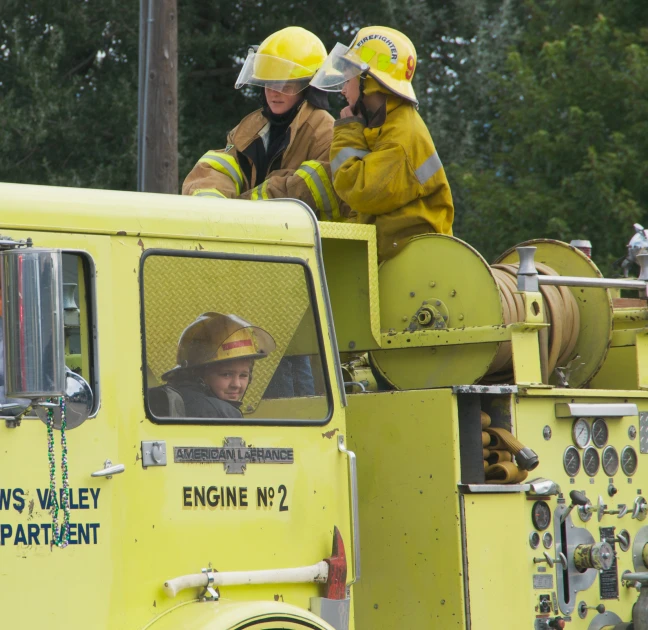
(583, 608)
(640, 509)
(561, 559)
(601, 509)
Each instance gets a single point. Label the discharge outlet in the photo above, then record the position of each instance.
(598, 556)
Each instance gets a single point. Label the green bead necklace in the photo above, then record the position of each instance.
(60, 536)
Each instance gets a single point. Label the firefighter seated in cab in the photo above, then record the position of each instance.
(282, 149)
(384, 163)
(216, 356)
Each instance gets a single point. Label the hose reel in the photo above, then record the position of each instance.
(440, 283)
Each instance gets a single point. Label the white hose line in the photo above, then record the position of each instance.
(314, 573)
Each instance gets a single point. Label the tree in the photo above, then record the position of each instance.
(68, 76)
(68, 93)
(567, 136)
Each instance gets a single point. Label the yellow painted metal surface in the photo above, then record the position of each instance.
(408, 468)
(144, 526)
(446, 274)
(227, 615)
(351, 261)
(112, 212)
(438, 555)
(532, 415)
(526, 358)
(497, 551)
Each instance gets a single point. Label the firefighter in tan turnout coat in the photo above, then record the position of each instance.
(281, 150)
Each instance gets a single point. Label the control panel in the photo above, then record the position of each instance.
(587, 530)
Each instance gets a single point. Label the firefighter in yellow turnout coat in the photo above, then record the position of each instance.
(384, 163)
(281, 150)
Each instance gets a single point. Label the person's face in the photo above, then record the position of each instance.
(280, 103)
(351, 91)
(228, 381)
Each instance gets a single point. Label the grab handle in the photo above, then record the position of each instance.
(353, 474)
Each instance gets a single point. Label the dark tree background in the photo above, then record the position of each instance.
(539, 108)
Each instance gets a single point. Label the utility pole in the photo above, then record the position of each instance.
(157, 129)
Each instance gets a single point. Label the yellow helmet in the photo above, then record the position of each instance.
(285, 61)
(215, 337)
(378, 51)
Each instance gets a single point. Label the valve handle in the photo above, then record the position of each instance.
(578, 498)
(640, 508)
(584, 607)
(630, 577)
(561, 559)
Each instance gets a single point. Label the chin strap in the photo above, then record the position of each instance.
(360, 109)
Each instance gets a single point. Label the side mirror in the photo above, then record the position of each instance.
(32, 308)
(78, 403)
(34, 337)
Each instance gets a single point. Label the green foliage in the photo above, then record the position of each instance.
(539, 108)
(567, 135)
(67, 102)
(69, 75)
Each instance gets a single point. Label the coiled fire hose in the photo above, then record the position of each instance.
(557, 342)
(500, 446)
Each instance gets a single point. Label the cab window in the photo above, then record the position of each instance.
(231, 340)
(80, 319)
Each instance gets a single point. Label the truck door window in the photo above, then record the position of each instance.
(231, 340)
(80, 319)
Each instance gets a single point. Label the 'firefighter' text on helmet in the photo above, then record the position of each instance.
(381, 52)
(214, 338)
(285, 61)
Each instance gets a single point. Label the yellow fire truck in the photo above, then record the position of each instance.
(498, 413)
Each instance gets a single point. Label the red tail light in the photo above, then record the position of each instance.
(336, 583)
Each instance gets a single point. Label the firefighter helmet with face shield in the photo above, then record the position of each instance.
(216, 338)
(377, 51)
(285, 61)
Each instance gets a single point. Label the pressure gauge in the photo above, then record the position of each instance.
(610, 461)
(571, 461)
(541, 515)
(547, 540)
(581, 432)
(534, 540)
(591, 461)
(629, 461)
(599, 432)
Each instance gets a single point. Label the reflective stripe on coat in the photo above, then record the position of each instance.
(303, 172)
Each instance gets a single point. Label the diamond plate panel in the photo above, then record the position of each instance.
(273, 296)
(353, 231)
(643, 432)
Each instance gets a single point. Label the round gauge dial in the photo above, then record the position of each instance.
(541, 515)
(534, 540)
(629, 461)
(600, 432)
(610, 461)
(571, 461)
(591, 461)
(547, 540)
(581, 432)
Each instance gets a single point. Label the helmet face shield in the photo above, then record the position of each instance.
(339, 67)
(273, 72)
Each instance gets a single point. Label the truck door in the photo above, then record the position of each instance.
(27, 488)
(254, 483)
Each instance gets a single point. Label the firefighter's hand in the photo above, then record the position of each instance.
(346, 112)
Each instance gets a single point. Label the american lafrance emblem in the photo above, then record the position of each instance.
(234, 455)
